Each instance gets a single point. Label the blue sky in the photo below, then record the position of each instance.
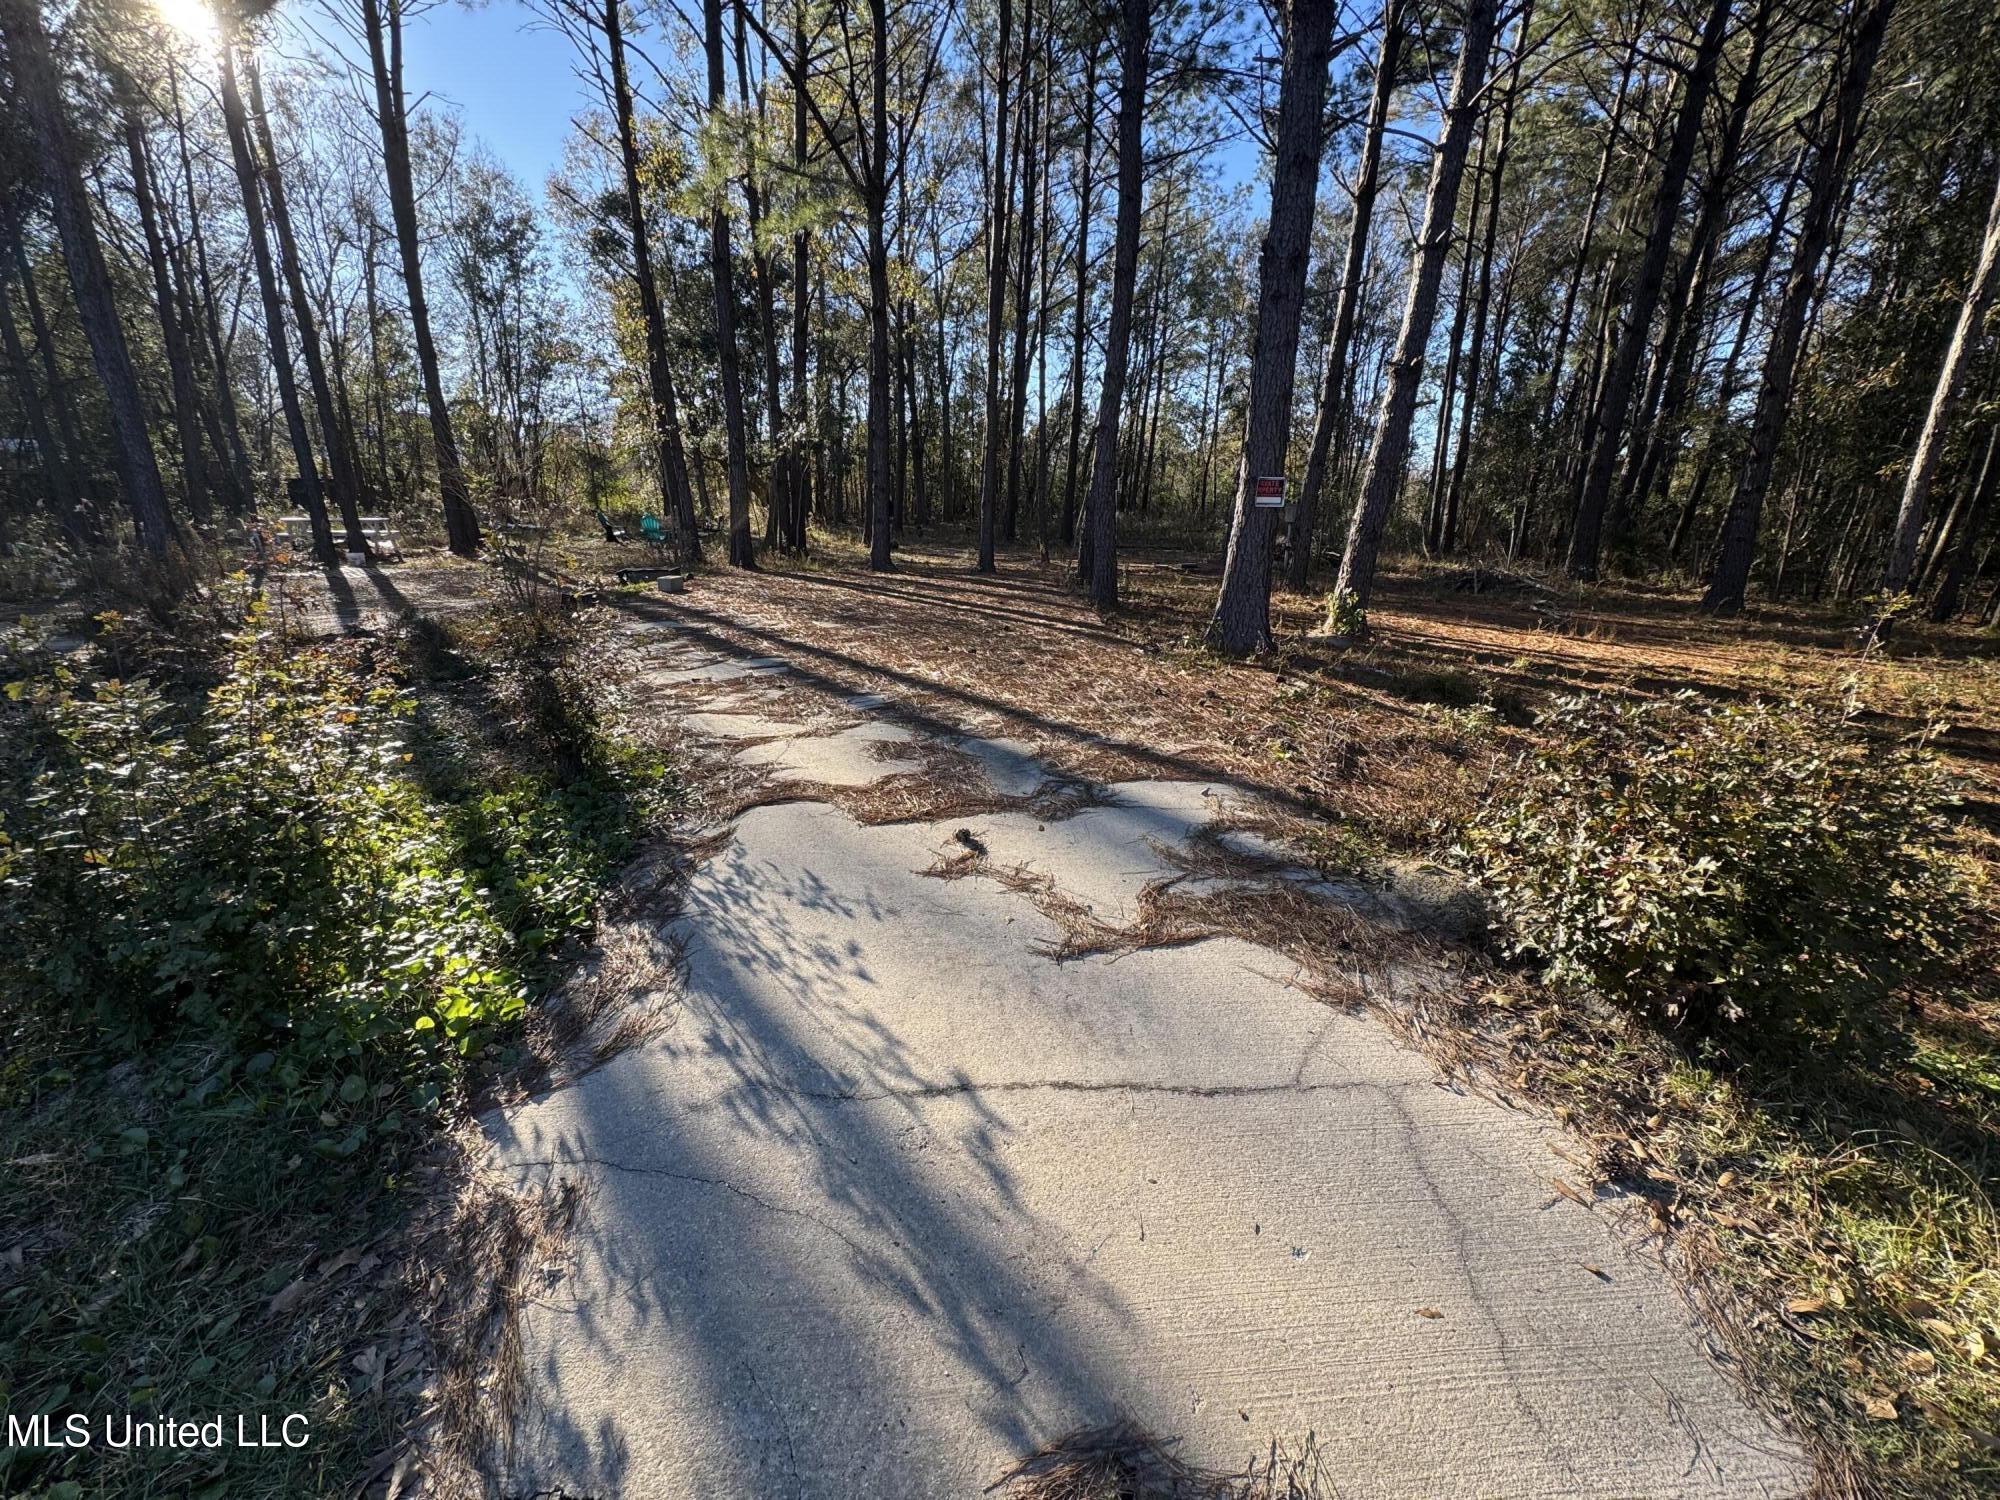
(512, 82)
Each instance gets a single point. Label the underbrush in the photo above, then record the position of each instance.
(1716, 863)
(266, 928)
(1768, 1002)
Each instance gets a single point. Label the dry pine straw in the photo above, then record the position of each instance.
(1123, 1462)
(1641, 1151)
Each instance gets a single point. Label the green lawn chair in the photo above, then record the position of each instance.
(655, 532)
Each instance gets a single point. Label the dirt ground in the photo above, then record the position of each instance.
(1396, 732)
(1862, 1197)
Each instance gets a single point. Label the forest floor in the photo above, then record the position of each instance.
(1032, 1027)
(977, 865)
(979, 1123)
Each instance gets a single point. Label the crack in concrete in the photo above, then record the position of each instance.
(695, 1178)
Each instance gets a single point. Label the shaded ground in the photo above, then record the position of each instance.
(899, 1197)
(1835, 1215)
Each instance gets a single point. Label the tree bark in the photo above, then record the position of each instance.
(63, 498)
(33, 66)
(242, 150)
(1101, 519)
(1836, 149)
(1086, 143)
(1242, 620)
(173, 333)
(1388, 454)
(1950, 589)
(1475, 359)
(742, 549)
(1331, 406)
(1517, 535)
(1944, 404)
(876, 193)
(996, 295)
(802, 417)
(385, 55)
(1615, 400)
(344, 488)
(1029, 161)
(208, 326)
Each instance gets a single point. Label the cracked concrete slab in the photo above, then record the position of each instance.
(1009, 766)
(896, 1199)
(741, 726)
(728, 669)
(1105, 856)
(858, 756)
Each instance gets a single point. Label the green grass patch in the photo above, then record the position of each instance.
(263, 935)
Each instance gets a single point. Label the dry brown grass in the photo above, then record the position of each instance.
(1841, 1191)
(1123, 1462)
(475, 1256)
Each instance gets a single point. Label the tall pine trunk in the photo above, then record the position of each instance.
(1086, 153)
(676, 498)
(1958, 358)
(742, 550)
(1615, 400)
(1242, 619)
(242, 151)
(331, 436)
(385, 55)
(35, 81)
(1388, 454)
(1738, 549)
(996, 296)
(1100, 562)
(173, 333)
(879, 372)
(1331, 405)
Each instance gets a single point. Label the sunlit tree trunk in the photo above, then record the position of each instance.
(1738, 549)
(173, 334)
(1242, 619)
(40, 99)
(385, 53)
(1944, 405)
(330, 434)
(1331, 404)
(1388, 454)
(279, 342)
(1100, 564)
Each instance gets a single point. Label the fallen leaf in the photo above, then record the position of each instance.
(1940, 1328)
(340, 1262)
(1881, 1408)
(1568, 1191)
(283, 1301)
(1429, 1312)
(1727, 1179)
(1975, 1346)
(1805, 1307)
(1920, 1363)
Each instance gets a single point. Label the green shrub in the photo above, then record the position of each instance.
(1345, 617)
(265, 863)
(1712, 863)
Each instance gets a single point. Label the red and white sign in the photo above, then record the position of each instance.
(1271, 492)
